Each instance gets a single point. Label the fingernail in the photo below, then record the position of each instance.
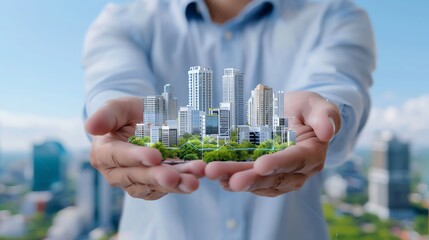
(269, 173)
(333, 126)
(182, 187)
(222, 178)
(247, 188)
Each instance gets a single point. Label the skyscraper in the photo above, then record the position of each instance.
(189, 120)
(169, 136)
(389, 178)
(224, 118)
(154, 110)
(99, 204)
(278, 104)
(48, 165)
(200, 84)
(170, 103)
(260, 106)
(209, 124)
(233, 92)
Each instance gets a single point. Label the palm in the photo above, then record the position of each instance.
(286, 170)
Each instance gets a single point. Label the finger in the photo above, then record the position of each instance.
(114, 115)
(324, 118)
(188, 183)
(218, 170)
(151, 192)
(161, 176)
(107, 152)
(244, 180)
(294, 159)
(147, 192)
(272, 192)
(195, 167)
(251, 181)
(283, 182)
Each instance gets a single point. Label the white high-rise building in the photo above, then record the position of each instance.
(142, 130)
(154, 110)
(233, 92)
(200, 85)
(170, 103)
(155, 134)
(139, 130)
(278, 104)
(189, 120)
(260, 106)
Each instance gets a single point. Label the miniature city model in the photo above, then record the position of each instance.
(225, 133)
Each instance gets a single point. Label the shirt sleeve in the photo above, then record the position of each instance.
(339, 67)
(115, 59)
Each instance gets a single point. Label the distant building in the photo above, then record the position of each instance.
(389, 178)
(36, 202)
(280, 121)
(278, 104)
(154, 110)
(260, 106)
(200, 85)
(243, 133)
(139, 130)
(352, 174)
(233, 93)
(99, 204)
(257, 135)
(12, 226)
(291, 135)
(224, 118)
(169, 136)
(189, 120)
(171, 104)
(49, 160)
(209, 125)
(155, 134)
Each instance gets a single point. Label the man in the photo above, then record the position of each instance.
(321, 52)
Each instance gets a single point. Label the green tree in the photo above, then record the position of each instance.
(38, 226)
(187, 148)
(146, 139)
(132, 138)
(226, 155)
(210, 156)
(234, 135)
(161, 148)
(190, 156)
(421, 224)
(209, 140)
(184, 138)
(265, 147)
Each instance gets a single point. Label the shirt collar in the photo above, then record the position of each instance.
(197, 9)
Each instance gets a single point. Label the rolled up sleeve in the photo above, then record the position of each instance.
(339, 67)
(114, 59)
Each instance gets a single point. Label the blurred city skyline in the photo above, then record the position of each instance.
(41, 92)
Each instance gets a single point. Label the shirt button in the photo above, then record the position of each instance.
(227, 35)
(231, 224)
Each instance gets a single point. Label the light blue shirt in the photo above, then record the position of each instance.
(321, 46)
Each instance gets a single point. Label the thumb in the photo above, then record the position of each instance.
(114, 115)
(325, 119)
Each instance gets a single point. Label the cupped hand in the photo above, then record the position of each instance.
(315, 122)
(138, 170)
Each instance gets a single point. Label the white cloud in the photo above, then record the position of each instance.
(410, 121)
(19, 131)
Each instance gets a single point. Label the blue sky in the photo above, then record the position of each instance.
(41, 46)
